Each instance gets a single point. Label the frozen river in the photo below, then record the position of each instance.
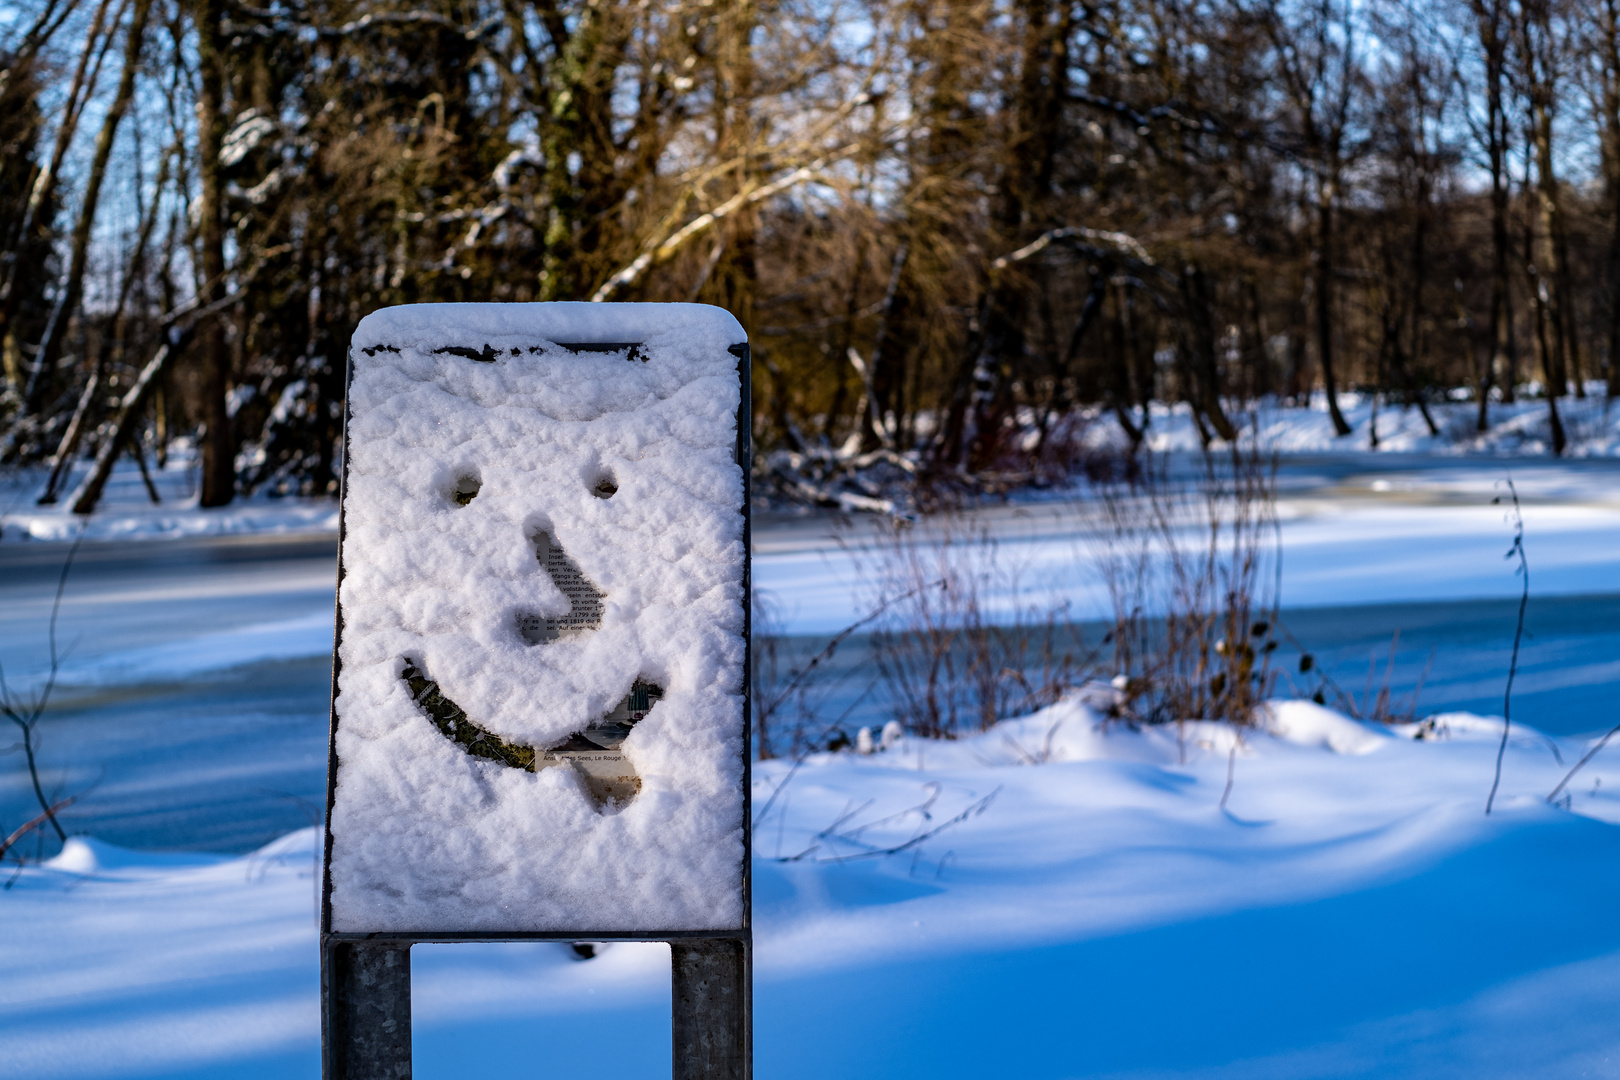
(193, 699)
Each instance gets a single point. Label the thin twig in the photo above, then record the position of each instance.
(831, 647)
(921, 808)
(33, 823)
(977, 808)
(765, 811)
(15, 711)
(1588, 756)
(1518, 634)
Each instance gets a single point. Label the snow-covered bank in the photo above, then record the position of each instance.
(1521, 429)
(1095, 912)
(126, 510)
(1519, 433)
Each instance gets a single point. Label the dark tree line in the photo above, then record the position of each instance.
(948, 227)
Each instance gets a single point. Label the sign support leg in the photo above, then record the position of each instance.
(712, 1008)
(365, 1010)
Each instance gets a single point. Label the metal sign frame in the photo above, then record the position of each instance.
(366, 977)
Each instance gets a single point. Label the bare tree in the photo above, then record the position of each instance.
(1317, 65)
(956, 237)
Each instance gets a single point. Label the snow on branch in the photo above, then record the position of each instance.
(664, 251)
(1122, 242)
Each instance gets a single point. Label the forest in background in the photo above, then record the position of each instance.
(950, 229)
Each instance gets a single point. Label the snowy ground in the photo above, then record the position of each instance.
(1351, 912)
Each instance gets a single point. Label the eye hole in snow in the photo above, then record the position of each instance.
(594, 754)
(584, 598)
(606, 487)
(466, 488)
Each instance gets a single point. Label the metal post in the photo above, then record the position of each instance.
(712, 1014)
(365, 1010)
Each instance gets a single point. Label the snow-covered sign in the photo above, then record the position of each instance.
(539, 711)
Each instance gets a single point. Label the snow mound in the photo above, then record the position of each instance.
(1071, 730)
(77, 856)
(86, 856)
(1305, 723)
(1465, 725)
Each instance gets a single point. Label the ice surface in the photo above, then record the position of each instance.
(1336, 551)
(475, 585)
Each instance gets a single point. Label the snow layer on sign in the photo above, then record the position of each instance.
(427, 836)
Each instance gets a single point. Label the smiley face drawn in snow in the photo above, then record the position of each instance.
(543, 582)
(595, 753)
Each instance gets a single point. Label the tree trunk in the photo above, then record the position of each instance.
(1121, 393)
(1202, 362)
(1410, 363)
(880, 421)
(123, 427)
(1506, 333)
(1550, 276)
(62, 461)
(1324, 303)
(218, 438)
(1538, 303)
(582, 180)
(1610, 46)
(1614, 289)
(735, 139)
(982, 395)
(1502, 355)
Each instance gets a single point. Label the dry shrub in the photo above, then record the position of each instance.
(1190, 561)
(950, 660)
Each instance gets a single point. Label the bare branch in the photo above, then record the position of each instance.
(662, 252)
(49, 814)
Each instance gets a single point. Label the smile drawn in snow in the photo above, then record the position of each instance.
(593, 754)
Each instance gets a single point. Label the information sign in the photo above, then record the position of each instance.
(539, 718)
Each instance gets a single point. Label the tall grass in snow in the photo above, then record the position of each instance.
(1191, 563)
